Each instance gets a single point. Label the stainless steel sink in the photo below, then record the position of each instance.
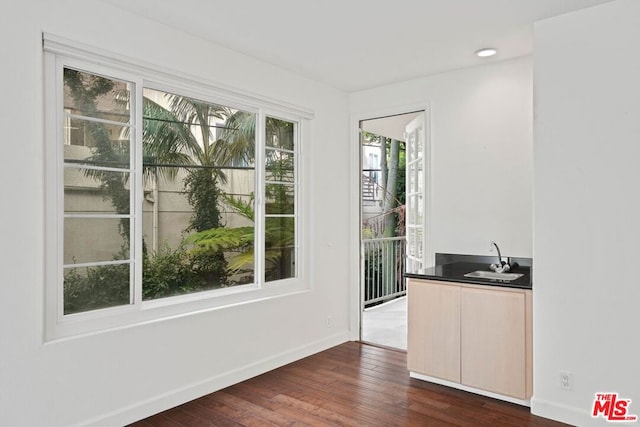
(482, 274)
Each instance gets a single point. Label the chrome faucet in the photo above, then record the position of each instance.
(501, 266)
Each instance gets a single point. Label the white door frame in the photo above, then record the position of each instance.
(356, 202)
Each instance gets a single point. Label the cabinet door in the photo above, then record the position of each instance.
(493, 341)
(434, 330)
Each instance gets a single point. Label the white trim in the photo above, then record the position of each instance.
(563, 413)
(299, 262)
(95, 168)
(98, 120)
(79, 325)
(136, 194)
(146, 408)
(98, 263)
(289, 183)
(90, 215)
(259, 226)
(303, 171)
(284, 150)
(469, 389)
(193, 89)
(354, 185)
(53, 214)
(160, 73)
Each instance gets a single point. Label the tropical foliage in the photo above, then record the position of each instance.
(179, 142)
(279, 235)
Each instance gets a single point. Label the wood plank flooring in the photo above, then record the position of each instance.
(353, 384)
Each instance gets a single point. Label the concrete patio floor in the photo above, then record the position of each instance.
(386, 324)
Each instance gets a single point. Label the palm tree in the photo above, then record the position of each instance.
(177, 134)
(182, 135)
(279, 231)
(165, 141)
(236, 142)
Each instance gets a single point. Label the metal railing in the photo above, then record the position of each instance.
(384, 267)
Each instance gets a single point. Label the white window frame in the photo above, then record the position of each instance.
(60, 53)
(296, 186)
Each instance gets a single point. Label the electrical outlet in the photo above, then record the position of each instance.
(329, 321)
(491, 247)
(565, 380)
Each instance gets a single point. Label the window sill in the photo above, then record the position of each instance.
(116, 318)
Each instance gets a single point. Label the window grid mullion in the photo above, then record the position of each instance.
(296, 225)
(288, 183)
(260, 211)
(98, 120)
(284, 150)
(97, 216)
(137, 193)
(60, 165)
(97, 263)
(74, 165)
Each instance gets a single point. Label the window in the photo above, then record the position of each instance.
(198, 214)
(280, 199)
(98, 166)
(162, 200)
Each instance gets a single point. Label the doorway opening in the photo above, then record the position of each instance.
(392, 222)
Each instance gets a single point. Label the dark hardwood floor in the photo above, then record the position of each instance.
(353, 384)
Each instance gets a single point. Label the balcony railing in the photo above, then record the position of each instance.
(384, 267)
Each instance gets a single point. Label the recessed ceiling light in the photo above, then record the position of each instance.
(487, 51)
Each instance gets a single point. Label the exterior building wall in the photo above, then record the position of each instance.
(84, 195)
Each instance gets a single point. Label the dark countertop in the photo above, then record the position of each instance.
(455, 271)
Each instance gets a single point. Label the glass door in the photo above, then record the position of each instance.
(415, 197)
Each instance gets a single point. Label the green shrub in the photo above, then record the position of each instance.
(168, 272)
(100, 287)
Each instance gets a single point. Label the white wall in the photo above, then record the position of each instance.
(481, 147)
(129, 373)
(587, 209)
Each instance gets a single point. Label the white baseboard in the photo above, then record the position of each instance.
(146, 408)
(563, 413)
(469, 389)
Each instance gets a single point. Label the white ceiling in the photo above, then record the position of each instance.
(359, 44)
(391, 126)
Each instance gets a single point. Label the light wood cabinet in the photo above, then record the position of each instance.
(434, 330)
(476, 336)
(493, 341)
